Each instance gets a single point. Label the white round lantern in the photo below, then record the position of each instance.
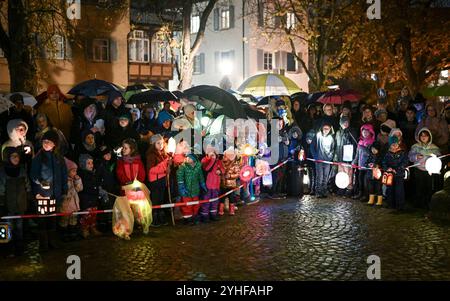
(342, 180)
(433, 165)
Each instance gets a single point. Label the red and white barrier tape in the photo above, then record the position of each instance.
(164, 206)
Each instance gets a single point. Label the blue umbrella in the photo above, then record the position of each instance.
(93, 87)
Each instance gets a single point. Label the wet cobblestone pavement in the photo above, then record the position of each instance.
(308, 239)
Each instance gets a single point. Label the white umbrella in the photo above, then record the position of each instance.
(5, 104)
(28, 99)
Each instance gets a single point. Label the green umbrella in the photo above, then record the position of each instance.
(437, 91)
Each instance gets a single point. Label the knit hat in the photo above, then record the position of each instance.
(390, 124)
(411, 108)
(104, 150)
(52, 136)
(379, 112)
(16, 97)
(164, 116)
(188, 109)
(70, 164)
(8, 151)
(137, 112)
(193, 157)
(310, 135)
(83, 159)
(85, 134)
(125, 116)
(392, 140)
(395, 131)
(155, 138)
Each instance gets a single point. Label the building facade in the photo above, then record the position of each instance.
(236, 46)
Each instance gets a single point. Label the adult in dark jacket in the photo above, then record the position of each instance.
(123, 131)
(147, 122)
(327, 118)
(15, 191)
(408, 126)
(323, 148)
(346, 144)
(165, 125)
(114, 109)
(88, 145)
(49, 180)
(87, 119)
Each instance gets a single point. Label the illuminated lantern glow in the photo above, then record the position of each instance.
(172, 145)
(247, 173)
(342, 180)
(388, 178)
(248, 151)
(376, 173)
(433, 165)
(5, 233)
(305, 176)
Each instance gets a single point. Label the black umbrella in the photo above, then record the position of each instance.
(178, 94)
(93, 87)
(151, 96)
(251, 111)
(265, 100)
(136, 87)
(216, 100)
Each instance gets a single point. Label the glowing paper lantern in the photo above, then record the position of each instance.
(376, 173)
(433, 165)
(342, 180)
(247, 173)
(172, 145)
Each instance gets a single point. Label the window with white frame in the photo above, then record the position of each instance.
(100, 50)
(160, 50)
(195, 23)
(268, 61)
(56, 49)
(291, 62)
(139, 47)
(197, 65)
(290, 20)
(225, 18)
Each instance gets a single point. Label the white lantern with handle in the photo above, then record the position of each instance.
(172, 145)
(433, 165)
(342, 180)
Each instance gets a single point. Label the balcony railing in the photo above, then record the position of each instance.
(146, 72)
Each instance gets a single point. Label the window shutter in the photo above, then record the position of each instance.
(216, 19)
(277, 64)
(300, 67)
(231, 16)
(202, 63)
(260, 14)
(290, 63)
(41, 47)
(89, 49)
(260, 59)
(68, 49)
(217, 61)
(277, 21)
(114, 54)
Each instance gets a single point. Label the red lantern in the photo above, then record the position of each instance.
(247, 173)
(388, 178)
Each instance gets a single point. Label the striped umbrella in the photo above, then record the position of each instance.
(268, 84)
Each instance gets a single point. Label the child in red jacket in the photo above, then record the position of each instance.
(130, 166)
(213, 168)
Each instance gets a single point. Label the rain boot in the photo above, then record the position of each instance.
(371, 199)
(379, 200)
(95, 232)
(231, 212)
(221, 208)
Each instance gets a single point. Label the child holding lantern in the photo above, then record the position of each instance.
(190, 179)
(394, 163)
(214, 169)
(374, 178)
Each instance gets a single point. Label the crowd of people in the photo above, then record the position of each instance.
(78, 155)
